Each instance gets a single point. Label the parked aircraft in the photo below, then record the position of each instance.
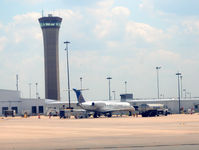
(103, 107)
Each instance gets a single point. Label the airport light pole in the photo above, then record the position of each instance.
(185, 93)
(114, 94)
(162, 95)
(81, 82)
(30, 90)
(66, 49)
(178, 74)
(181, 85)
(125, 86)
(109, 78)
(158, 68)
(17, 82)
(189, 94)
(36, 85)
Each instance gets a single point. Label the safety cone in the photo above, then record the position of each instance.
(39, 116)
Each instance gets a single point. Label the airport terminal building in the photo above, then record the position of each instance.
(11, 100)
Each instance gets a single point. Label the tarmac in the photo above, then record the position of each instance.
(172, 132)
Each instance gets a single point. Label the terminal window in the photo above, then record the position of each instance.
(4, 109)
(15, 109)
(41, 109)
(34, 109)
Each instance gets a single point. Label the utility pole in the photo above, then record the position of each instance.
(80, 83)
(179, 74)
(113, 94)
(37, 94)
(109, 78)
(158, 68)
(125, 87)
(185, 93)
(30, 90)
(17, 82)
(181, 86)
(66, 49)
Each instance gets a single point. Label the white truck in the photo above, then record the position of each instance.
(76, 113)
(151, 110)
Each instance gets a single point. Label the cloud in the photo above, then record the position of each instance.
(88, 61)
(3, 41)
(72, 24)
(121, 11)
(144, 31)
(147, 5)
(108, 19)
(31, 2)
(34, 1)
(105, 3)
(26, 18)
(103, 28)
(67, 14)
(191, 26)
(1, 26)
(112, 44)
(24, 27)
(102, 10)
(165, 56)
(107, 10)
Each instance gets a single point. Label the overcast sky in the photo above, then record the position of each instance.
(124, 39)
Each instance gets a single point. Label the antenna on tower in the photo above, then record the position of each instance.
(42, 13)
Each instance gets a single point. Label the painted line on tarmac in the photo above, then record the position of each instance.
(133, 146)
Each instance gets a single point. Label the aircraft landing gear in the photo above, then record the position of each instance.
(109, 114)
(95, 115)
(130, 113)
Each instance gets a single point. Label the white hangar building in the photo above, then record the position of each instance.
(11, 100)
(172, 104)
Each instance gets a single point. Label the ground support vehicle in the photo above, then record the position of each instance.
(76, 113)
(152, 110)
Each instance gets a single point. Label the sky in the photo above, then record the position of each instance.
(125, 40)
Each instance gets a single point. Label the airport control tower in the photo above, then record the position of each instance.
(50, 27)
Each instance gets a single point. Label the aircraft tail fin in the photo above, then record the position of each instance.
(80, 98)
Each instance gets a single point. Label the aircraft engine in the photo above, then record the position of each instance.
(93, 104)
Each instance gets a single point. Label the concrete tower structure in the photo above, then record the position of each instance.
(50, 27)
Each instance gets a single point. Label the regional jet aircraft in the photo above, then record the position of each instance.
(103, 107)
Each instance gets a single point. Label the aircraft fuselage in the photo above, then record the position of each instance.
(106, 106)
